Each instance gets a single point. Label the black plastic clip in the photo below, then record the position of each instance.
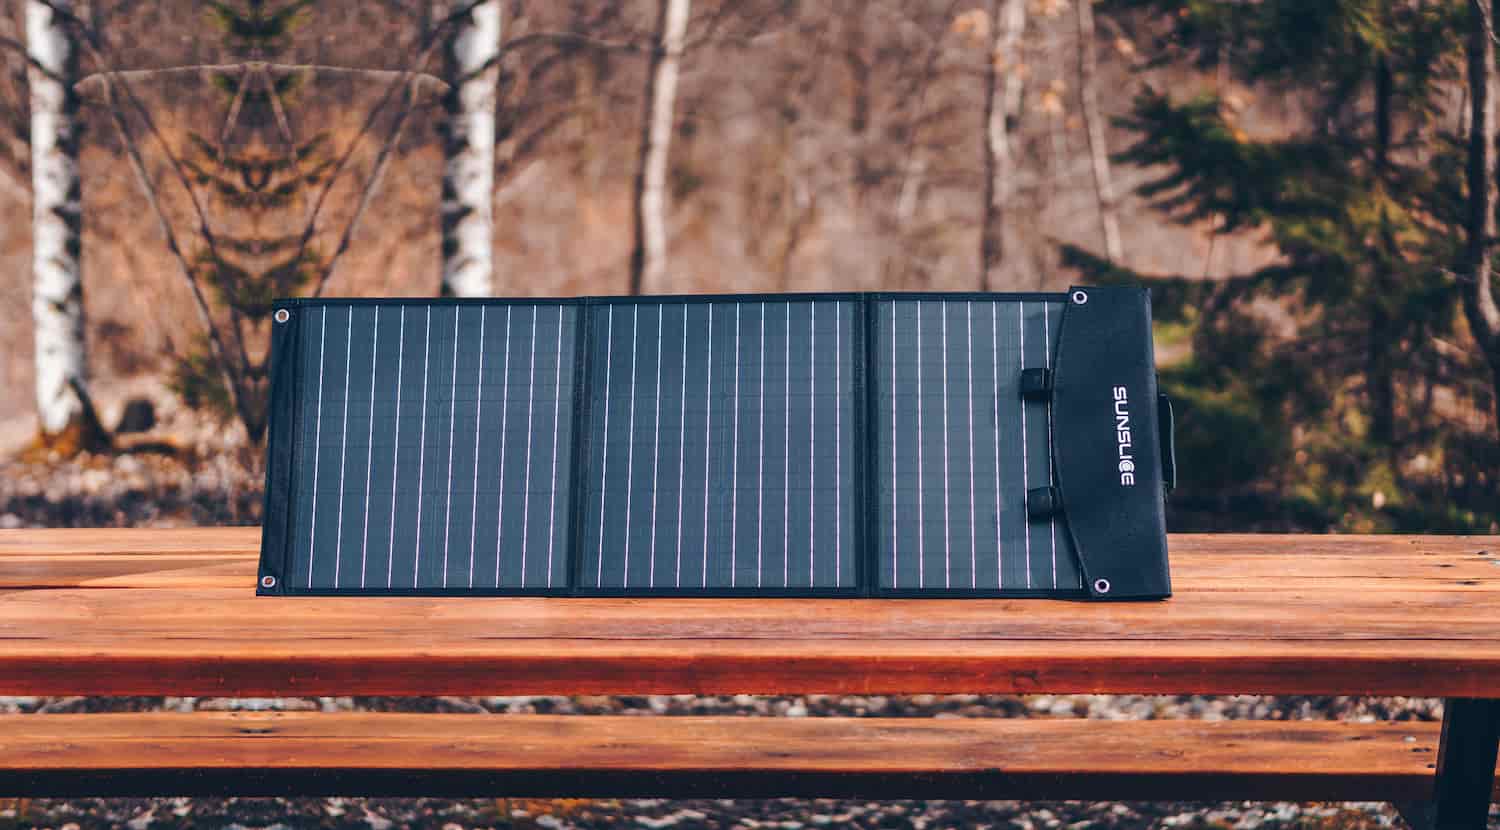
(1042, 503)
(1036, 384)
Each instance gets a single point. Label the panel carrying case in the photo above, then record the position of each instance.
(897, 444)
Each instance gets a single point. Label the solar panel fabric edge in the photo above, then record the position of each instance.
(858, 334)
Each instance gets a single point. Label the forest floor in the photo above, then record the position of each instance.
(201, 476)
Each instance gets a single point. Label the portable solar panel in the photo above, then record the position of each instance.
(778, 445)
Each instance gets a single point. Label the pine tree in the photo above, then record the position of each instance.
(1359, 217)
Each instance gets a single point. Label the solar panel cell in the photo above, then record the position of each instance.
(707, 471)
(958, 447)
(426, 463)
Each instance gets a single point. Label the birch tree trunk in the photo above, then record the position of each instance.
(472, 56)
(63, 408)
(1088, 91)
(1001, 102)
(1478, 276)
(648, 258)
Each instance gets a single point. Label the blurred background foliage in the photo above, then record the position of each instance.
(1288, 176)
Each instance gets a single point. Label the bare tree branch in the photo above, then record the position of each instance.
(372, 184)
(200, 303)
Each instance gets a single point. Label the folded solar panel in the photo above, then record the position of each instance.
(788, 445)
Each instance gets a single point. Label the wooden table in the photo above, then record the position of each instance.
(148, 612)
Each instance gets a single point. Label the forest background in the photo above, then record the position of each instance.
(1294, 179)
(1308, 187)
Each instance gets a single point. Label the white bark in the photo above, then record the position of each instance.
(1479, 301)
(1088, 91)
(1002, 102)
(57, 290)
(469, 171)
(649, 260)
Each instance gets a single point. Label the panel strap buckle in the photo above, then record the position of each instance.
(1036, 384)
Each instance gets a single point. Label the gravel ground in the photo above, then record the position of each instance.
(207, 479)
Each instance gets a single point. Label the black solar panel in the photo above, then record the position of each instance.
(778, 445)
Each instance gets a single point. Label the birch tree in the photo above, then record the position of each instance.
(1001, 102)
(1088, 92)
(473, 53)
(649, 255)
(62, 402)
(1480, 306)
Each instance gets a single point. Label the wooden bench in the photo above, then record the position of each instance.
(156, 612)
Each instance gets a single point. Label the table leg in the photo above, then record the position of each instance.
(1466, 763)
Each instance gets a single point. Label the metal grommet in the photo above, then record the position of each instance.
(268, 581)
(282, 315)
(1079, 298)
(1101, 586)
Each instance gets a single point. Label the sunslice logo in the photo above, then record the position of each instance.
(1122, 437)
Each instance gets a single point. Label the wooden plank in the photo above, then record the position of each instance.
(1288, 615)
(94, 541)
(226, 557)
(543, 756)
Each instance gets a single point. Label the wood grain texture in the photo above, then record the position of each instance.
(173, 612)
(534, 755)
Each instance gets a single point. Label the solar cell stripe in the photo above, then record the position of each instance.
(364, 545)
(812, 449)
(682, 451)
(895, 490)
(531, 434)
(478, 423)
(708, 416)
(556, 422)
(312, 525)
(390, 560)
(656, 445)
(921, 479)
(504, 429)
(635, 316)
(452, 423)
(786, 463)
(422, 452)
(947, 510)
(999, 528)
(604, 444)
(760, 466)
(734, 476)
(338, 550)
(1047, 362)
(973, 516)
(1025, 446)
